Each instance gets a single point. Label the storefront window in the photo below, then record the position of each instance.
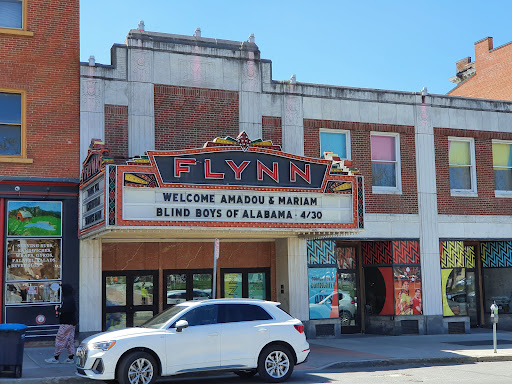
(257, 286)
(202, 286)
(323, 293)
(498, 288)
(379, 290)
(143, 290)
(455, 296)
(407, 288)
(176, 288)
(115, 291)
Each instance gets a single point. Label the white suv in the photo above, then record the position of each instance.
(243, 336)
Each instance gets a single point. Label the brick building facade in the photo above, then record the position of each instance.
(437, 222)
(39, 158)
(488, 76)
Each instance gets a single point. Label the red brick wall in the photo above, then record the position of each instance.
(405, 203)
(189, 117)
(116, 130)
(272, 130)
(46, 66)
(485, 203)
(493, 77)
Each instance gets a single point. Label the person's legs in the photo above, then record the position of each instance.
(70, 344)
(60, 341)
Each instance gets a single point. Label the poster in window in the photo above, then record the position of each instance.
(323, 293)
(407, 281)
(33, 259)
(27, 292)
(232, 285)
(34, 218)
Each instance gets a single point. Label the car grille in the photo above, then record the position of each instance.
(81, 356)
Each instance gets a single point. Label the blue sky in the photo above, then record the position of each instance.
(396, 45)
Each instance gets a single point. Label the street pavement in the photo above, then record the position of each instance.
(349, 351)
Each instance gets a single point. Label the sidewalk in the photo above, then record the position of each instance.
(350, 351)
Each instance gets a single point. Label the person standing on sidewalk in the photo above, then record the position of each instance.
(66, 335)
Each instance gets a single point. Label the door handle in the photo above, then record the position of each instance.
(213, 334)
(262, 330)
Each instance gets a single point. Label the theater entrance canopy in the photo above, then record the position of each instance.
(230, 188)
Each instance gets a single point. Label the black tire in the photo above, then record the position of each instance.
(17, 371)
(137, 368)
(247, 373)
(275, 363)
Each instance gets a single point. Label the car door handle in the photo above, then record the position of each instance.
(213, 334)
(262, 330)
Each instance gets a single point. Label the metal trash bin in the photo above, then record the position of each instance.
(12, 340)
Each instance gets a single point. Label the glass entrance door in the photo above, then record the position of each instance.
(129, 298)
(248, 283)
(348, 289)
(183, 285)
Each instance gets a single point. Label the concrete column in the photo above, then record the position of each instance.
(427, 209)
(293, 123)
(90, 286)
(298, 278)
(250, 108)
(92, 112)
(141, 109)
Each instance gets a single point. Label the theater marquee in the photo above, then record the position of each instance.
(227, 184)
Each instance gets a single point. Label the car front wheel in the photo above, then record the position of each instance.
(137, 368)
(275, 364)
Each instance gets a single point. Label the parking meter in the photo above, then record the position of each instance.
(494, 318)
(494, 313)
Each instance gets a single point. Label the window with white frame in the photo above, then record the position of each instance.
(335, 141)
(461, 155)
(385, 149)
(502, 164)
(11, 123)
(11, 14)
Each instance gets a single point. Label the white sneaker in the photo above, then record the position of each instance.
(68, 360)
(52, 360)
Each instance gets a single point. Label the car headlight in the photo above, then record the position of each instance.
(103, 345)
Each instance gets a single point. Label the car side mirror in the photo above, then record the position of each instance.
(181, 325)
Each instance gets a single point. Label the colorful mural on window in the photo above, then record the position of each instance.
(34, 218)
(457, 278)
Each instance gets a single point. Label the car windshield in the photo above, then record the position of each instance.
(159, 320)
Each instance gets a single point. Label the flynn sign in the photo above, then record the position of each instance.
(232, 185)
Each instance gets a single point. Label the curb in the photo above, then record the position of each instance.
(45, 380)
(417, 361)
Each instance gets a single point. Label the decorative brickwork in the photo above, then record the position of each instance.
(46, 67)
(272, 129)
(116, 130)
(485, 203)
(405, 203)
(189, 117)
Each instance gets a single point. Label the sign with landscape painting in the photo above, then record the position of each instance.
(34, 218)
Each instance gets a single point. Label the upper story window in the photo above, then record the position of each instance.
(461, 154)
(386, 162)
(11, 14)
(335, 141)
(502, 163)
(11, 126)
